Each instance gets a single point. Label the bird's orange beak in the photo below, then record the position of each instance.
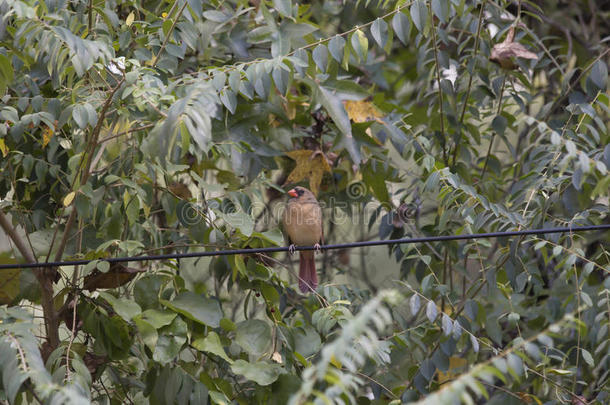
(292, 193)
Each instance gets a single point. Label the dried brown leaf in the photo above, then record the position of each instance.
(116, 276)
(504, 52)
(310, 165)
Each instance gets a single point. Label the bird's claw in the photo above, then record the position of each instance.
(317, 248)
(292, 248)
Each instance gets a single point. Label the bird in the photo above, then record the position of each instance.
(302, 221)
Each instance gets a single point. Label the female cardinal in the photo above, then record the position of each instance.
(303, 224)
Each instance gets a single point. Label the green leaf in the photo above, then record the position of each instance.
(457, 330)
(13, 382)
(379, 31)
(274, 236)
(235, 81)
(447, 324)
(337, 113)
(493, 329)
(260, 372)
(499, 124)
(126, 309)
(587, 357)
(6, 73)
(146, 291)
(284, 7)
(211, 344)
(254, 336)
(414, 304)
(599, 74)
(586, 299)
(229, 100)
(227, 325)
(376, 181)
(158, 318)
(132, 209)
(440, 8)
(307, 341)
(346, 89)
(170, 341)
(427, 369)
(335, 46)
(103, 266)
(219, 79)
(320, 57)
(431, 311)
(515, 363)
(215, 16)
(281, 79)
(260, 79)
(402, 27)
(80, 115)
(246, 89)
(167, 25)
(360, 44)
(475, 343)
(219, 398)
(419, 14)
(240, 220)
(196, 307)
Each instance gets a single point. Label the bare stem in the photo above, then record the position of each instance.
(494, 134)
(474, 61)
(169, 34)
(440, 90)
(90, 11)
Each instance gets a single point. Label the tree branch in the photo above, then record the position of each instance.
(46, 283)
(86, 171)
(440, 89)
(171, 29)
(14, 236)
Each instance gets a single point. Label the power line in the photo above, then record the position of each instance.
(323, 247)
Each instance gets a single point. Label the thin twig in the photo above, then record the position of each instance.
(229, 68)
(491, 142)
(169, 33)
(474, 62)
(86, 172)
(440, 90)
(111, 137)
(90, 11)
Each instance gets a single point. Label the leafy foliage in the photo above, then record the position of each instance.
(132, 127)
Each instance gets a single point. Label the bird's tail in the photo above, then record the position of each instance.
(308, 278)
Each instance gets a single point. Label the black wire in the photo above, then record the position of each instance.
(323, 247)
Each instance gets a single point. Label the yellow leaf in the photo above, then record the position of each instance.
(9, 280)
(273, 121)
(290, 108)
(455, 364)
(69, 198)
(47, 134)
(3, 148)
(130, 19)
(9, 285)
(310, 165)
(362, 111)
(335, 362)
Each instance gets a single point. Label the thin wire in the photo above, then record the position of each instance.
(230, 252)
